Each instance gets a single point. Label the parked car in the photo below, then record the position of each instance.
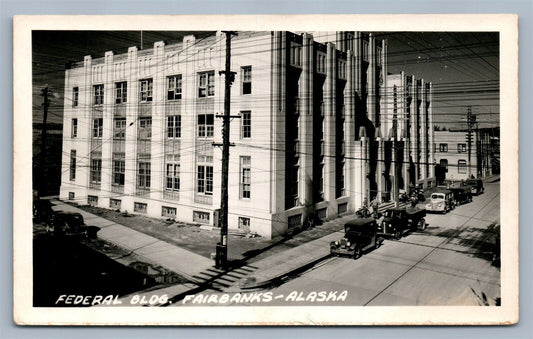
(42, 210)
(441, 201)
(476, 186)
(461, 195)
(360, 235)
(397, 221)
(70, 224)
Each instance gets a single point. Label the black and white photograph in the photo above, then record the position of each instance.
(284, 172)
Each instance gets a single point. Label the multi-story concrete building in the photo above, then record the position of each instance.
(139, 129)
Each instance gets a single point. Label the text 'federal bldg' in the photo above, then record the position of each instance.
(322, 127)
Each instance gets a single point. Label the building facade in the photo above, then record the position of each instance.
(312, 137)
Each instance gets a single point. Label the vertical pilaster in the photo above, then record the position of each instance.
(330, 110)
(424, 166)
(130, 177)
(158, 123)
(431, 131)
(107, 135)
(349, 130)
(371, 79)
(306, 123)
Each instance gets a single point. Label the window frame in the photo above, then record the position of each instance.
(140, 207)
(118, 172)
(172, 176)
(74, 128)
(119, 128)
(147, 128)
(174, 80)
(98, 128)
(206, 84)
(144, 173)
(443, 147)
(461, 148)
(72, 165)
(205, 130)
(462, 166)
(204, 176)
(146, 94)
(174, 126)
(246, 80)
(121, 92)
(165, 211)
(245, 177)
(75, 96)
(246, 124)
(96, 171)
(98, 95)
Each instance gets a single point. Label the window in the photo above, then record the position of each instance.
(246, 124)
(71, 195)
(246, 80)
(168, 212)
(342, 69)
(174, 126)
(98, 127)
(75, 96)
(206, 125)
(444, 164)
(92, 200)
(245, 177)
(461, 148)
(173, 177)
(121, 92)
(115, 204)
(443, 147)
(119, 167)
(205, 175)
(74, 128)
(72, 165)
(96, 171)
(145, 94)
(143, 175)
(342, 208)
(145, 128)
(295, 220)
(140, 207)
(206, 84)
(174, 87)
(202, 217)
(294, 183)
(321, 62)
(244, 223)
(119, 129)
(296, 55)
(98, 94)
(461, 166)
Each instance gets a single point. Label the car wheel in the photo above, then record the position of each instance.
(422, 224)
(397, 235)
(357, 254)
(379, 242)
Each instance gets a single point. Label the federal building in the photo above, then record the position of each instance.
(318, 128)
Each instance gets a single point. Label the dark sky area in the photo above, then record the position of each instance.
(463, 66)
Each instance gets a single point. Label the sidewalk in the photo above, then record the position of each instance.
(173, 258)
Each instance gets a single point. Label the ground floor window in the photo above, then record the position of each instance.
(202, 217)
(168, 212)
(461, 166)
(244, 223)
(114, 204)
(295, 220)
(71, 195)
(92, 200)
(140, 207)
(321, 213)
(343, 208)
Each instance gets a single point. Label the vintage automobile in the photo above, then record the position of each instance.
(441, 201)
(360, 235)
(42, 210)
(461, 195)
(476, 186)
(70, 224)
(398, 221)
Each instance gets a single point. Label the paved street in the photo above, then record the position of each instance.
(448, 264)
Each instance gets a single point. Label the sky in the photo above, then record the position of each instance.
(462, 66)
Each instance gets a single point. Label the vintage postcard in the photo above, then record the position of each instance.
(266, 170)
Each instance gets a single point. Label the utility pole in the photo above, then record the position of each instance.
(222, 246)
(46, 103)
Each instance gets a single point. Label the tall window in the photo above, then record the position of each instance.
(145, 128)
(174, 84)
(74, 128)
(143, 175)
(145, 94)
(246, 124)
(174, 126)
(119, 167)
(98, 94)
(72, 165)
(119, 128)
(461, 166)
(246, 177)
(206, 125)
(96, 171)
(121, 92)
(246, 80)
(204, 184)
(98, 126)
(443, 147)
(173, 177)
(75, 96)
(206, 84)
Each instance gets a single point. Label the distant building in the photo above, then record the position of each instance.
(313, 138)
(462, 160)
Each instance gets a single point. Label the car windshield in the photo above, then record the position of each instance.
(392, 214)
(437, 196)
